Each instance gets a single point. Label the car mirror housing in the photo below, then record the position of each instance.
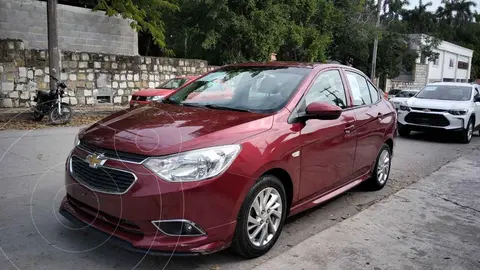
(322, 111)
(476, 99)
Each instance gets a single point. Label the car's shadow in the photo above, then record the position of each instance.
(440, 137)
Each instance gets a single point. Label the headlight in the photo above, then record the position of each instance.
(155, 98)
(76, 141)
(453, 112)
(404, 108)
(194, 165)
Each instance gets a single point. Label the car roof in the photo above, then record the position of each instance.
(451, 83)
(287, 64)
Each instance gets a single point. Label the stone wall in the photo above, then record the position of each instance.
(87, 75)
(79, 29)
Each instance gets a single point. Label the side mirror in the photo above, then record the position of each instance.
(322, 111)
(476, 99)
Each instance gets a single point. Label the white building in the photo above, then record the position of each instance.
(452, 64)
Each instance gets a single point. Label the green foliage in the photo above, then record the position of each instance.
(229, 31)
(145, 15)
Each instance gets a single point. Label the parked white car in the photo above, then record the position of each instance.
(445, 106)
(402, 97)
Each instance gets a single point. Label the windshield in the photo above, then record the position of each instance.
(256, 89)
(173, 83)
(446, 92)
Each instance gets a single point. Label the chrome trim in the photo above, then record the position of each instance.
(179, 220)
(116, 159)
(70, 170)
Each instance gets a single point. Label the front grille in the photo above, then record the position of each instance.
(422, 109)
(427, 119)
(139, 98)
(101, 179)
(112, 153)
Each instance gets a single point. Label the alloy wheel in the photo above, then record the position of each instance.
(264, 217)
(470, 131)
(383, 166)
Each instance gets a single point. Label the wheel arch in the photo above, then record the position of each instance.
(287, 182)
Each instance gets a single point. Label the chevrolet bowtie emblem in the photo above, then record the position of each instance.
(95, 160)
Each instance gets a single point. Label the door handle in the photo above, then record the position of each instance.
(349, 128)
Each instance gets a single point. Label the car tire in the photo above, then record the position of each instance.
(404, 131)
(467, 133)
(265, 223)
(381, 170)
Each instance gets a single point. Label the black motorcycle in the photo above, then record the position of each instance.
(50, 103)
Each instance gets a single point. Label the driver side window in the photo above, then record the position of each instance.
(327, 87)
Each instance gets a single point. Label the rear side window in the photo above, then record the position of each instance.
(360, 91)
(373, 92)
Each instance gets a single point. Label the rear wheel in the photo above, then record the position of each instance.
(404, 131)
(37, 116)
(467, 133)
(261, 217)
(381, 171)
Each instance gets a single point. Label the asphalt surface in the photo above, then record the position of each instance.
(34, 236)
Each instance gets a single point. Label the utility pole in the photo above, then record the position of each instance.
(53, 54)
(375, 43)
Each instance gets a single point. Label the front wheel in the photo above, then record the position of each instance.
(62, 117)
(404, 131)
(261, 218)
(467, 134)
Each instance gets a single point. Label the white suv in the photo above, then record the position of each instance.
(445, 106)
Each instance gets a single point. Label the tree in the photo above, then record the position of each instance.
(146, 15)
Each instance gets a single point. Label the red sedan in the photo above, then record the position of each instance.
(146, 96)
(194, 175)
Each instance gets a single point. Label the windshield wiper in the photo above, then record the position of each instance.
(219, 107)
(169, 101)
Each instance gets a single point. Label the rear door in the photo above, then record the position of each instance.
(370, 128)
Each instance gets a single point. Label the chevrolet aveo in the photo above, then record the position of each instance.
(193, 176)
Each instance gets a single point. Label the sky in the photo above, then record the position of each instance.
(436, 3)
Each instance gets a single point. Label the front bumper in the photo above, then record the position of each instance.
(419, 120)
(212, 205)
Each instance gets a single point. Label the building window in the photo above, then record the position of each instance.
(462, 65)
(452, 63)
(436, 59)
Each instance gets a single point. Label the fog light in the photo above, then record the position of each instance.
(178, 227)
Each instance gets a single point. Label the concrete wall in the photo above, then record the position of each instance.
(87, 75)
(79, 29)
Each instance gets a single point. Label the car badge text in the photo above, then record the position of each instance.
(426, 110)
(96, 160)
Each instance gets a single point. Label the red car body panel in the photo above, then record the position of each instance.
(341, 151)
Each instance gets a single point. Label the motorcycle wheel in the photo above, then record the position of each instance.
(56, 118)
(37, 117)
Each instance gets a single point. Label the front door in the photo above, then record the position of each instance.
(477, 106)
(328, 146)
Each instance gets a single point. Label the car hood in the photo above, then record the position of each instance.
(153, 92)
(437, 104)
(163, 129)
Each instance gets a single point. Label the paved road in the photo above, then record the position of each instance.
(33, 236)
(435, 226)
